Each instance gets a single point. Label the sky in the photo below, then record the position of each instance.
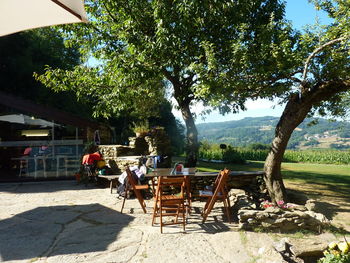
(300, 13)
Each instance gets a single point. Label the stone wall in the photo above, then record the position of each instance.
(157, 143)
(294, 218)
(247, 182)
(112, 153)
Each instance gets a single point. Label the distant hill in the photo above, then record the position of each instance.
(325, 134)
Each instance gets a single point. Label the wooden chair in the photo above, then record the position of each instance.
(131, 185)
(166, 204)
(220, 193)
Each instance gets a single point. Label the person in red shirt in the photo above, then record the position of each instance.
(92, 158)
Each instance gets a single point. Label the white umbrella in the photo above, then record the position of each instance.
(26, 120)
(19, 15)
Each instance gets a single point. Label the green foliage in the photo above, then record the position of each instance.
(24, 53)
(90, 147)
(312, 142)
(173, 127)
(141, 127)
(339, 146)
(144, 42)
(231, 155)
(322, 157)
(331, 258)
(259, 146)
(252, 132)
(186, 47)
(239, 154)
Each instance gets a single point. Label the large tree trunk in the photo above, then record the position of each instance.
(192, 136)
(293, 114)
(298, 106)
(184, 96)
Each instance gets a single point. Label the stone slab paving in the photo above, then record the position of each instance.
(63, 221)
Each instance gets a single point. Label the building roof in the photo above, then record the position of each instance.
(46, 112)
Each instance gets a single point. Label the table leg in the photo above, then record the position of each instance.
(35, 167)
(44, 166)
(57, 165)
(188, 193)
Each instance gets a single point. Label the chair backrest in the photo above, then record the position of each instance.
(170, 181)
(130, 177)
(220, 185)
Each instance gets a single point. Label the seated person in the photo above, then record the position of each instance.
(43, 150)
(27, 151)
(89, 162)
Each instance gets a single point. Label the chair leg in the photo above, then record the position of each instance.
(228, 206)
(141, 201)
(161, 216)
(126, 194)
(208, 210)
(183, 217)
(155, 211)
(205, 206)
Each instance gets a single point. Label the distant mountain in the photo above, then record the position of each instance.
(324, 134)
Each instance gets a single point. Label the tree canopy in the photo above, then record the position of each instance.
(23, 53)
(186, 46)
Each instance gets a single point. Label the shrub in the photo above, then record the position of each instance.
(230, 155)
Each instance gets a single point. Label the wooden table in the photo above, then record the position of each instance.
(191, 172)
(194, 173)
(111, 178)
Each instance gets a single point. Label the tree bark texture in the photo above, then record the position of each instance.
(293, 114)
(192, 137)
(184, 96)
(297, 108)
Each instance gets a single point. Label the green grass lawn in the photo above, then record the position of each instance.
(323, 174)
(326, 183)
(333, 177)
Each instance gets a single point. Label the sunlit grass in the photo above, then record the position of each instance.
(332, 177)
(292, 172)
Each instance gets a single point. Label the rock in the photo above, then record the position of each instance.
(318, 216)
(282, 245)
(274, 210)
(262, 215)
(269, 255)
(308, 248)
(299, 208)
(288, 214)
(243, 215)
(236, 192)
(298, 221)
(244, 203)
(251, 221)
(266, 225)
(311, 205)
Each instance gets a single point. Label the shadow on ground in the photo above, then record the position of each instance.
(60, 230)
(339, 184)
(321, 206)
(52, 186)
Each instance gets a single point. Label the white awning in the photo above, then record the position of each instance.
(27, 120)
(19, 15)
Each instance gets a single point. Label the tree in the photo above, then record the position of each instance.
(23, 53)
(309, 71)
(178, 44)
(324, 80)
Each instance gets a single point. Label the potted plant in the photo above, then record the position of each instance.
(141, 129)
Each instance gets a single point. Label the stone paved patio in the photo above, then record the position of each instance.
(63, 221)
